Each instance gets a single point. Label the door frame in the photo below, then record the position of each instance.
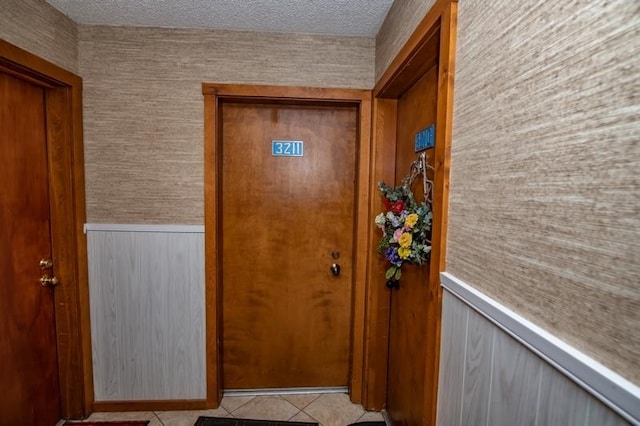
(214, 94)
(431, 44)
(65, 159)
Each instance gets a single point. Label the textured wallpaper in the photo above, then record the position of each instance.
(402, 19)
(36, 26)
(545, 186)
(143, 106)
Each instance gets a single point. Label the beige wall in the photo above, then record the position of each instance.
(143, 106)
(36, 26)
(545, 194)
(402, 19)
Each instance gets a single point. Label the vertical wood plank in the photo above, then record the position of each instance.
(601, 415)
(360, 247)
(212, 271)
(514, 383)
(444, 134)
(377, 295)
(147, 315)
(452, 359)
(562, 402)
(477, 370)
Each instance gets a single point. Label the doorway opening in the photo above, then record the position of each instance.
(286, 196)
(415, 92)
(61, 152)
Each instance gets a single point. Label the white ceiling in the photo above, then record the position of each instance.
(340, 17)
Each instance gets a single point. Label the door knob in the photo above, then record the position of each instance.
(335, 269)
(46, 263)
(48, 281)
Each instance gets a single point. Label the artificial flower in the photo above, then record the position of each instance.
(405, 239)
(397, 207)
(410, 221)
(404, 252)
(405, 226)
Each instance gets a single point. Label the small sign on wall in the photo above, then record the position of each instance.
(425, 138)
(287, 148)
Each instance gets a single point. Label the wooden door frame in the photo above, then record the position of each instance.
(213, 95)
(65, 158)
(431, 44)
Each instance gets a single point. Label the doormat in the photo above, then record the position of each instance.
(128, 423)
(225, 421)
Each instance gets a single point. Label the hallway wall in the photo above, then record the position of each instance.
(402, 19)
(544, 196)
(41, 29)
(143, 106)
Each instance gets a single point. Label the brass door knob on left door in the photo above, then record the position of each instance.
(48, 281)
(46, 263)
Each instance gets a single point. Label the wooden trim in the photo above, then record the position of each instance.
(63, 101)
(273, 93)
(212, 290)
(360, 249)
(151, 405)
(213, 94)
(377, 295)
(444, 132)
(431, 44)
(143, 227)
(423, 32)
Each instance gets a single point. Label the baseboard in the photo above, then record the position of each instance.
(120, 227)
(152, 405)
(285, 391)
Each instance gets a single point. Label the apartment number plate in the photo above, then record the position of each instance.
(287, 148)
(425, 138)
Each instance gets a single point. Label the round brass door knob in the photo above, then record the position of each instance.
(48, 281)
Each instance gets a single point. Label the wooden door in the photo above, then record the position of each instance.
(285, 220)
(408, 312)
(28, 356)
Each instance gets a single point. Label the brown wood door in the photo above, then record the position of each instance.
(286, 317)
(28, 356)
(408, 314)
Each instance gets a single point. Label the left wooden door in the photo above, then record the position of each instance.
(28, 353)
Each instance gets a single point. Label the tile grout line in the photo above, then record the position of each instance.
(158, 417)
(301, 410)
(230, 412)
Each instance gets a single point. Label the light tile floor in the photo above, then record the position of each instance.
(331, 409)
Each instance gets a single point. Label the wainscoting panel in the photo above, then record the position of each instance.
(453, 335)
(515, 379)
(491, 376)
(477, 378)
(146, 288)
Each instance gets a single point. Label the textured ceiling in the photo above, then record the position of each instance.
(341, 17)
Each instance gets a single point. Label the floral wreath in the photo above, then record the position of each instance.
(405, 225)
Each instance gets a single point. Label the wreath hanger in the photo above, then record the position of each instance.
(419, 167)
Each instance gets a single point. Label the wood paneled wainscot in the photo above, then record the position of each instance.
(147, 314)
(491, 375)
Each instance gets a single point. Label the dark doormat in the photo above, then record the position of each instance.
(225, 421)
(128, 423)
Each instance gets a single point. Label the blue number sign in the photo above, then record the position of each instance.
(425, 138)
(287, 148)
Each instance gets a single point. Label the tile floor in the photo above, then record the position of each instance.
(331, 409)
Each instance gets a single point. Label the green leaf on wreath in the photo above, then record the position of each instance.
(390, 272)
(398, 274)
